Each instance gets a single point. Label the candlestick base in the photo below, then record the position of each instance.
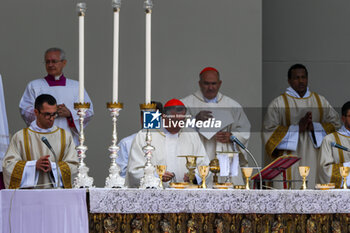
(82, 180)
(114, 180)
(149, 180)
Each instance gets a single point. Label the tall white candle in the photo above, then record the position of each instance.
(148, 57)
(116, 55)
(81, 59)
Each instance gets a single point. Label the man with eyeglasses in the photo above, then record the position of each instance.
(331, 158)
(169, 142)
(208, 103)
(30, 163)
(63, 89)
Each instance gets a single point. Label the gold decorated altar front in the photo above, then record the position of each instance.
(137, 210)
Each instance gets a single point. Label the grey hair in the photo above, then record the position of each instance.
(62, 53)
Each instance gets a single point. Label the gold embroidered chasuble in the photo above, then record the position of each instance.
(331, 158)
(26, 145)
(287, 110)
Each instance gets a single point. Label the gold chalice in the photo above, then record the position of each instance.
(344, 172)
(191, 164)
(247, 172)
(203, 172)
(304, 172)
(161, 170)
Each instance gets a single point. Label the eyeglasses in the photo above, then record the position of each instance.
(177, 109)
(52, 61)
(48, 115)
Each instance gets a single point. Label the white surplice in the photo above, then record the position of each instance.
(123, 153)
(167, 148)
(68, 95)
(4, 129)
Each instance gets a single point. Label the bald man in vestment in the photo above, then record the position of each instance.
(209, 103)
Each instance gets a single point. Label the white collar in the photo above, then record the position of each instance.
(213, 100)
(170, 135)
(344, 131)
(34, 126)
(290, 91)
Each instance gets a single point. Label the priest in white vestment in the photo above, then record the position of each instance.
(29, 162)
(125, 145)
(66, 92)
(209, 103)
(169, 142)
(296, 123)
(4, 131)
(330, 158)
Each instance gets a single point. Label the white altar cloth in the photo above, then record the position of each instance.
(43, 211)
(219, 201)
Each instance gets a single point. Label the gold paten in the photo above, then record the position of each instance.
(179, 185)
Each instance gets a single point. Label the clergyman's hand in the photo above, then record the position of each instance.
(186, 178)
(204, 115)
(304, 122)
(223, 137)
(63, 111)
(43, 164)
(167, 176)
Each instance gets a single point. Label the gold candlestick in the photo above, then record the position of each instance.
(344, 172)
(161, 170)
(304, 172)
(203, 172)
(247, 172)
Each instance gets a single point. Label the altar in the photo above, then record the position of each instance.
(197, 210)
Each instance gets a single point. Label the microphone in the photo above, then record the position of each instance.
(46, 142)
(238, 142)
(336, 145)
(234, 139)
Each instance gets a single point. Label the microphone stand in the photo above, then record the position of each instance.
(57, 167)
(240, 144)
